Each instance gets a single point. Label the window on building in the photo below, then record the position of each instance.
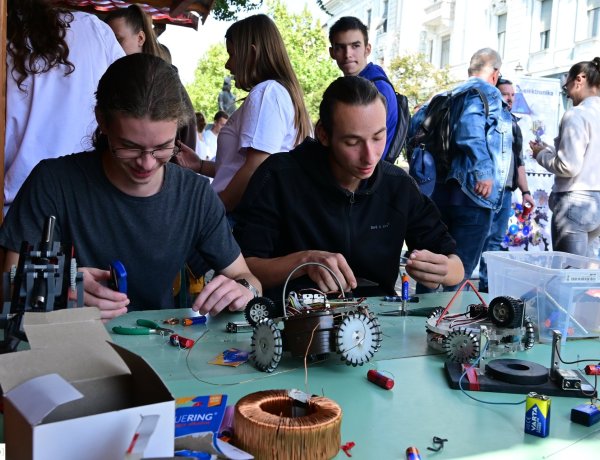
(430, 51)
(593, 18)
(369, 11)
(545, 20)
(384, 16)
(445, 53)
(501, 33)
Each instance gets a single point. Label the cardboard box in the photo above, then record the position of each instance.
(93, 407)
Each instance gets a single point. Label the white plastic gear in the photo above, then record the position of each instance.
(13, 274)
(528, 339)
(357, 339)
(73, 275)
(461, 346)
(377, 330)
(267, 345)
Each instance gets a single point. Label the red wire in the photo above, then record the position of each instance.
(454, 297)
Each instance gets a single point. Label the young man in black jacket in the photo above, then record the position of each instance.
(332, 201)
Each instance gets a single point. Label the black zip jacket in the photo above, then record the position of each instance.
(293, 203)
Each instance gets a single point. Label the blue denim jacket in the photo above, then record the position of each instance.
(483, 146)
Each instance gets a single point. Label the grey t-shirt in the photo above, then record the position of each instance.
(152, 236)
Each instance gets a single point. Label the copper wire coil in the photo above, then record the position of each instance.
(266, 427)
(298, 331)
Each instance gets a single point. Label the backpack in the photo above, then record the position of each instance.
(430, 146)
(399, 138)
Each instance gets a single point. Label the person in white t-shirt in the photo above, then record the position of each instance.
(202, 148)
(271, 119)
(211, 134)
(54, 59)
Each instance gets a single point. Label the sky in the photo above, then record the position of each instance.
(187, 46)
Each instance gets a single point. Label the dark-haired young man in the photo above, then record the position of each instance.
(350, 49)
(334, 202)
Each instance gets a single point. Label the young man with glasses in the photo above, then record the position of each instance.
(124, 201)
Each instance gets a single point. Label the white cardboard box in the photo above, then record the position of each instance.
(92, 408)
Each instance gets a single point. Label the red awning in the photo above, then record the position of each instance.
(177, 12)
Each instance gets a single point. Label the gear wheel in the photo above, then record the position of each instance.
(357, 339)
(73, 275)
(377, 330)
(528, 339)
(266, 345)
(461, 346)
(505, 311)
(259, 308)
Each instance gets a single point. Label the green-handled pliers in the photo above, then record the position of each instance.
(147, 327)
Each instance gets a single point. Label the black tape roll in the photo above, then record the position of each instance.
(517, 371)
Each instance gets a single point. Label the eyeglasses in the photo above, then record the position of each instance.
(163, 153)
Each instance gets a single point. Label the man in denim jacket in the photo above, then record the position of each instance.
(481, 159)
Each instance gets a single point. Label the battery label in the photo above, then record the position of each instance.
(537, 415)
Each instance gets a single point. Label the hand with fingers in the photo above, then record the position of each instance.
(338, 265)
(187, 158)
(428, 268)
(221, 293)
(97, 294)
(484, 188)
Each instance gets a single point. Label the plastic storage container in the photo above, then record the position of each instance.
(561, 290)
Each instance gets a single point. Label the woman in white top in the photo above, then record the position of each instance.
(271, 119)
(55, 59)
(574, 159)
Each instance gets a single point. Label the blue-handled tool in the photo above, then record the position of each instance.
(118, 277)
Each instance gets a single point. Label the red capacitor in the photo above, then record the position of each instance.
(592, 369)
(380, 379)
(179, 341)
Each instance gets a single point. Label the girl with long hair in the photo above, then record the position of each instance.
(272, 118)
(54, 61)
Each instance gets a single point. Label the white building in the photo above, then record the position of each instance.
(541, 38)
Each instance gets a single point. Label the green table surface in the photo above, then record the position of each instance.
(381, 423)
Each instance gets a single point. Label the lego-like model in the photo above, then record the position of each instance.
(459, 335)
(313, 326)
(41, 282)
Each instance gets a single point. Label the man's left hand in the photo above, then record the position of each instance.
(484, 188)
(221, 293)
(427, 268)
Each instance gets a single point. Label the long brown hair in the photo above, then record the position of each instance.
(137, 19)
(36, 38)
(140, 85)
(260, 55)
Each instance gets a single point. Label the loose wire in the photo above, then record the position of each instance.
(481, 400)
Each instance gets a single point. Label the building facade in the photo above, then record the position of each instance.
(540, 38)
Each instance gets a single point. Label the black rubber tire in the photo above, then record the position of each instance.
(259, 308)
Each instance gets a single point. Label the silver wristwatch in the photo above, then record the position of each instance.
(244, 282)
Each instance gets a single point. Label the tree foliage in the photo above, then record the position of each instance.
(418, 79)
(208, 81)
(306, 45)
(228, 10)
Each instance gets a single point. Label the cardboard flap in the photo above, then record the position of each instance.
(52, 329)
(71, 342)
(38, 397)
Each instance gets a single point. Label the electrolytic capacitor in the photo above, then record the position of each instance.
(405, 286)
(412, 453)
(194, 320)
(380, 380)
(181, 342)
